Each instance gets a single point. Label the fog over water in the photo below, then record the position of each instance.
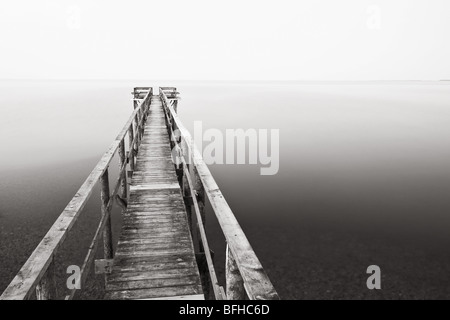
(364, 176)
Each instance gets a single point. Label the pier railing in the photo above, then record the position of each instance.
(38, 272)
(245, 277)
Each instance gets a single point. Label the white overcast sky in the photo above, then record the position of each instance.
(225, 40)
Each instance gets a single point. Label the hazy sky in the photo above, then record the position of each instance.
(226, 40)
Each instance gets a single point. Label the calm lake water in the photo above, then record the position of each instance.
(364, 177)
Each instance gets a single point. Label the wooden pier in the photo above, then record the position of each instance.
(162, 251)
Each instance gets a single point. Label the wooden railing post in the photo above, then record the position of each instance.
(46, 289)
(234, 283)
(138, 126)
(122, 160)
(131, 146)
(185, 187)
(143, 117)
(187, 194)
(107, 232)
(200, 190)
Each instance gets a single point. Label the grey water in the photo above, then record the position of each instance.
(364, 177)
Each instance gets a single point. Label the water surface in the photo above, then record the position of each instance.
(364, 177)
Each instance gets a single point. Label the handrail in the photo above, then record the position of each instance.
(34, 271)
(244, 270)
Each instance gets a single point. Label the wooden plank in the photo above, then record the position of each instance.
(157, 248)
(153, 224)
(155, 292)
(143, 268)
(153, 232)
(142, 202)
(164, 273)
(184, 280)
(156, 219)
(155, 186)
(141, 211)
(121, 261)
(157, 241)
(151, 235)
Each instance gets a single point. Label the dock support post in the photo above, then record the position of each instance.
(234, 283)
(107, 232)
(46, 289)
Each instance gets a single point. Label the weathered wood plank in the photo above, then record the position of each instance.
(145, 268)
(155, 292)
(180, 280)
(143, 260)
(164, 273)
(157, 241)
(155, 186)
(152, 235)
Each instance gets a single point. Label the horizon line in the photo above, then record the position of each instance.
(218, 80)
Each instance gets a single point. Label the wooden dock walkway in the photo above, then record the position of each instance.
(155, 255)
(162, 187)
